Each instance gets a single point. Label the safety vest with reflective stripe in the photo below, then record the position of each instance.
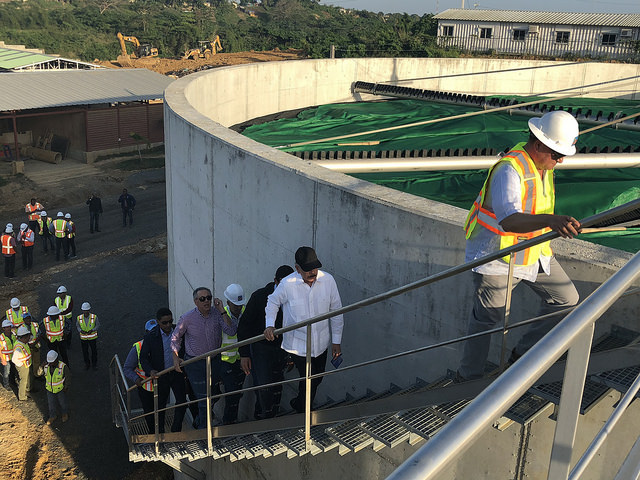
(63, 305)
(27, 237)
(16, 316)
(538, 197)
(6, 347)
(232, 354)
(54, 377)
(53, 329)
(86, 327)
(44, 227)
(148, 386)
(21, 354)
(30, 209)
(35, 334)
(7, 248)
(71, 229)
(60, 227)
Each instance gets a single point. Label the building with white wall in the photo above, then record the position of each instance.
(549, 34)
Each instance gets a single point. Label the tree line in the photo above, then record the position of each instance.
(86, 29)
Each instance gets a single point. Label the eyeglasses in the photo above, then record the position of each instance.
(168, 322)
(556, 155)
(208, 297)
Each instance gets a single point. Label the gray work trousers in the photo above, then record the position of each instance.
(555, 290)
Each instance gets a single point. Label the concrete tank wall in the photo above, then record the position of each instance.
(238, 209)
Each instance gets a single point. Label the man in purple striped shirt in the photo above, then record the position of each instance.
(202, 330)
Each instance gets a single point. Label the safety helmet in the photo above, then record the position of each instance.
(51, 356)
(53, 310)
(10, 225)
(60, 214)
(22, 330)
(86, 306)
(9, 229)
(43, 213)
(150, 324)
(67, 215)
(62, 289)
(15, 302)
(235, 294)
(558, 130)
(23, 226)
(7, 323)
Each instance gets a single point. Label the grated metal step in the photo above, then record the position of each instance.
(294, 441)
(421, 421)
(254, 447)
(593, 392)
(237, 450)
(272, 445)
(527, 408)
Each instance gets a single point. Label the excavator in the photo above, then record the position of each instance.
(206, 49)
(143, 50)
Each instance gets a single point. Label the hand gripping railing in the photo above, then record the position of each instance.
(574, 334)
(629, 211)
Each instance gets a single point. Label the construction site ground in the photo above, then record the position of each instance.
(179, 67)
(122, 272)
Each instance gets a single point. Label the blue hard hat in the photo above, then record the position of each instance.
(150, 324)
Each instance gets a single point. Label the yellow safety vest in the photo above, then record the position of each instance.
(35, 334)
(538, 197)
(6, 347)
(148, 386)
(55, 377)
(16, 316)
(232, 354)
(45, 226)
(71, 230)
(87, 327)
(54, 330)
(24, 350)
(63, 305)
(60, 226)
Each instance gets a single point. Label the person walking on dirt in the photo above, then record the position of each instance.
(87, 324)
(7, 339)
(53, 332)
(127, 203)
(71, 236)
(9, 251)
(95, 209)
(44, 223)
(56, 383)
(59, 230)
(21, 358)
(64, 302)
(34, 344)
(33, 210)
(26, 239)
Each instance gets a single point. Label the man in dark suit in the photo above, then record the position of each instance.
(155, 356)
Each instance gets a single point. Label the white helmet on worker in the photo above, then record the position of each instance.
(60, 214)
(15, 302)
(9, 228)
(43, 213)
(62, 289)
(558, 130)
(67, 215)
(22, 330)
(53, 310)
(235, 294)
(86, 306)
(7, 324)
(51, 356)
(23, 226)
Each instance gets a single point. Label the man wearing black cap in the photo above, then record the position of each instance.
(307, 293)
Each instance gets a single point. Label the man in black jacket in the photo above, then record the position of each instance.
(264, 360)
(155, 356)
(95, 209)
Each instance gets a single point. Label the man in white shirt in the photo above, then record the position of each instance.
(517, 203)
(306, 293)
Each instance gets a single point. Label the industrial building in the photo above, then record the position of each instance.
(549, 34)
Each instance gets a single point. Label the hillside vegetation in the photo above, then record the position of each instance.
(86, 29)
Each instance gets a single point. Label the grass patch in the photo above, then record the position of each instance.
(137, 164)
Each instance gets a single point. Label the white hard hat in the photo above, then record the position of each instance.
(22, 330)
(51, 356)
(15, 302)
(235, 294)
(68, 215)
(9, 225)
(9, 229)
(62, 289)
(43, 213)
(7, 323)
(60, 214)
(23, 226)
(86, 306)
(558, 130)
(53, 310)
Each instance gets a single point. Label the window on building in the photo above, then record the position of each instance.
(519, 35)
(562, 37)
(447, 31)
(609, 38)
(486, 32)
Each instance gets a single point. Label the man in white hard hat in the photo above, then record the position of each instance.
(21, 358)
(34, 344)
(7, 340)
(16, 313)
(9, 246)
(65, 303)
(26, 239)
(44, 225)
(59, 230)
(71, 236)
(87, 324)
(517, 203)
(53, 330)
(56, 383)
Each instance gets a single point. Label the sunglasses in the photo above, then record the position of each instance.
(208, 297)
(168, 322)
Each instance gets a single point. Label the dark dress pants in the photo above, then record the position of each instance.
(27, 257)
(317, 366)
(232, 378)
(172, 381)
(9, 265)
(86, 345)
(267, 361)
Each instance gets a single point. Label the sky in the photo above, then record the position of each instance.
(421, 7)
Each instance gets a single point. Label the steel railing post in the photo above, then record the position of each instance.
(208, 380)
(154, 382)
(507, 311)
(570, 400)
(307, 398)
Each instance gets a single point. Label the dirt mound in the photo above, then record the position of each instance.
(179, 67)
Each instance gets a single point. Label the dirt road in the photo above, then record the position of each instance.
(122, 272)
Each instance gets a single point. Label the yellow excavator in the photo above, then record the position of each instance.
(142, 50)
(206, 49)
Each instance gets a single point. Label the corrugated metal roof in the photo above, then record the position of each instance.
(58, 88)
(11, 58)
(555, 18)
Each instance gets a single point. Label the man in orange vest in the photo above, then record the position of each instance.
(9, 251)
(33, 210)
(517, 203)
(26, 239)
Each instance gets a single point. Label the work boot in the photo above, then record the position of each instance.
(51, 420)
(65, 417)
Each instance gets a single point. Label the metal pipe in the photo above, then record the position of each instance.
(507, 312)
(458, 434)
(580, 161)
(307, 397)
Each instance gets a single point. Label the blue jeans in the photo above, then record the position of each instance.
(54, 400)
(197, 373)
(6, 372)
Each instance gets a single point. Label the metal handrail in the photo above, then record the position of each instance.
(458, 434)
